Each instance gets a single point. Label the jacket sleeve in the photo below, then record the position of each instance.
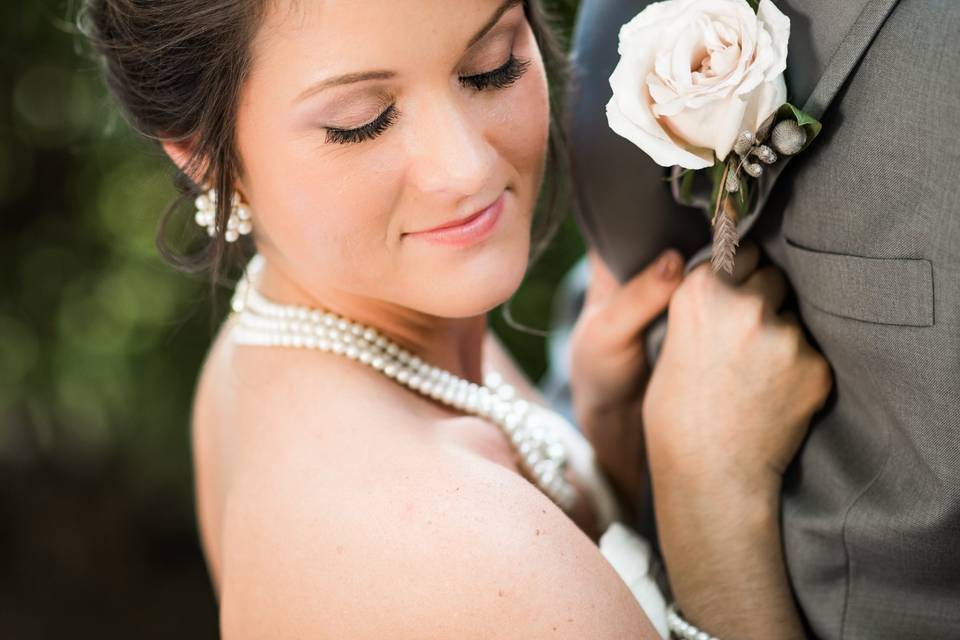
(622, 200)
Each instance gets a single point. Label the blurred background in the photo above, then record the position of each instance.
(100, 345)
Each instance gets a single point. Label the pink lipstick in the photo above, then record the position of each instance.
(466, 231)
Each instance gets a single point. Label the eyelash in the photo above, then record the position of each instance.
(499, 78)
(368, 131)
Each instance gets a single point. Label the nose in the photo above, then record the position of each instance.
(450, 153)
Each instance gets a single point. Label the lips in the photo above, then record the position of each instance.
(465, 230)
(455, 223)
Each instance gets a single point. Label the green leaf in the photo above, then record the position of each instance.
(716, 179)
(686, 185)
(810, 124)
(742, 200)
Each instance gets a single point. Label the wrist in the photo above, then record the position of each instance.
(616, 435)
(715, 509)
(596, 408)
(688, 471)
(723, 553)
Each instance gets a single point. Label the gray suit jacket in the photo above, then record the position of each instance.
(866, 224)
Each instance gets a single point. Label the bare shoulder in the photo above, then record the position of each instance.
(347, 517)
(416, 544)
(344, 514)
(260, 411)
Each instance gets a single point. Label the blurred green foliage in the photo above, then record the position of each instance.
(100, 341)
(100, 347)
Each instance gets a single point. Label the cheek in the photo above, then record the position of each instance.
(334, 223)
(523, 129)
(314, 204)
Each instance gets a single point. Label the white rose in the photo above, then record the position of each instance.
(693, 74)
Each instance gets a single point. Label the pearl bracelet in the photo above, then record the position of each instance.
(683, 629)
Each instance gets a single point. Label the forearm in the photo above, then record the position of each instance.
(724, 556)
(616, 434)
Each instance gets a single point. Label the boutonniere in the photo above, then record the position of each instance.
(700, 86)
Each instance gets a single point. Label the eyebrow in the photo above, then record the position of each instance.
(492, 22)
(363, 76)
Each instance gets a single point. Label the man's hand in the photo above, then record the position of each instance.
(608, 364)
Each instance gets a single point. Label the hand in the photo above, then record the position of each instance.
(736, 385)
(608, 364)
(727, 407)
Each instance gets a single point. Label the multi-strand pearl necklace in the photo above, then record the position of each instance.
(542, 456)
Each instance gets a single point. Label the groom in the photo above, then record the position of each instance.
(866, 225)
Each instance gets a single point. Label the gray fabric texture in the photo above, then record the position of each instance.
(866, 225)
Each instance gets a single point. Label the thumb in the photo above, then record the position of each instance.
(646, 295)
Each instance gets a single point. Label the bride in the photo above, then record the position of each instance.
(369, 461)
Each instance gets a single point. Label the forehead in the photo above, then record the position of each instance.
(351, 35)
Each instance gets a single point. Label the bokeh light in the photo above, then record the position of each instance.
(100, 347)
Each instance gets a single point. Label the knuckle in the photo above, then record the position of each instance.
(699, 277)
(752, 309)
(696, 287)
(682, 299)
(794, 335)
(789, 344)
(822, 374)
(815, 378)
(796, 341)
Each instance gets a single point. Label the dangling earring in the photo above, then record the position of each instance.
(238, 224)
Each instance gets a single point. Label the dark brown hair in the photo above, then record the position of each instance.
(177, 67)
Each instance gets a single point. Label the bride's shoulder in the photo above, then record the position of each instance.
(261, 415)
(265, 394)
(345, 519)
(402, 545)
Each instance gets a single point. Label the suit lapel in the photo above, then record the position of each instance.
(847, 54)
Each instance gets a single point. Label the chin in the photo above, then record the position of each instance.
(470, 281)
(473, 286)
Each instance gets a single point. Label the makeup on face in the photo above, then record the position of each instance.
(361, 107)
(416, 157)
(464, 232)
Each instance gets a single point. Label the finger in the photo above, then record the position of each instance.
(790, 319)
(646, 295)
(748, 257)
(603, 283)
(769, 284)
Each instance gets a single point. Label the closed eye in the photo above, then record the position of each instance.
(366, 132)
(499, 78)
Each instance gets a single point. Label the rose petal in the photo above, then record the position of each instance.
(764, 102)
(665, 102)
(778, 26)
(715, 126)
(693, 74)
(682, 57)
(664, 151)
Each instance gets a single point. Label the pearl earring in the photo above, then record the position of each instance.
(238, 224)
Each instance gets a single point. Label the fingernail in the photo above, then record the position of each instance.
(668, 264)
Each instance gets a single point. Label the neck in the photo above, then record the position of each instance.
(454, 344)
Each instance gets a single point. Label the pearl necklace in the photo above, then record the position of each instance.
(542, 456)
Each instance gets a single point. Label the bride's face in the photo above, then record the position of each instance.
(364, 124)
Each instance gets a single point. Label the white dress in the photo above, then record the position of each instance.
(627, 552)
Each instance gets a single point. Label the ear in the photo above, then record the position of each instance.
(180, 153)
